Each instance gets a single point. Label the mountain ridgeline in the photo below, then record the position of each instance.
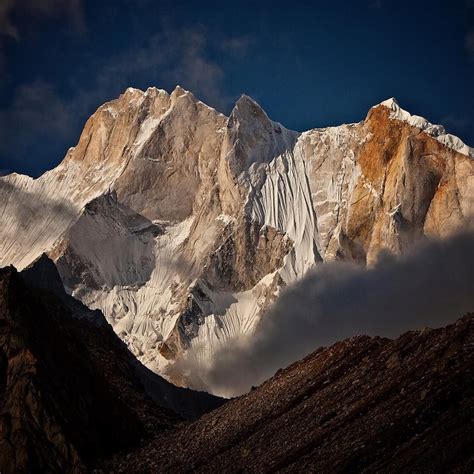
(182, 225)
(175, 244)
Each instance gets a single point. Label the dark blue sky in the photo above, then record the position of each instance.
(308, 64)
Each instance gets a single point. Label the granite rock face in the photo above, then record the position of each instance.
(181, 224)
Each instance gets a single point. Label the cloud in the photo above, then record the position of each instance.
(197, 73)
(10, 30)
(432, 286)
(3, 62)
(237, 46)
(376, 4)
(71, 9)
(7, 28)
(469, 43)
(174, 56)
(36, 111)
(184, 60)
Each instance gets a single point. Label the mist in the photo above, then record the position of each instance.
(431, 286)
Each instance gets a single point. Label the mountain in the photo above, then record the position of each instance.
(42, 276)
(362, 405)
(72, 400)
(182, 225)
(70, 391)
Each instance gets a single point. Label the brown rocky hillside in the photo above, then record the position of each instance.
(363, 405)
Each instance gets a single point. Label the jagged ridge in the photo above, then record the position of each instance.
(181, 224)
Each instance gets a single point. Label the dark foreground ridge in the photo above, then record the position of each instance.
(74, 399)
(43, 276)
(363, 405)
(70, 391)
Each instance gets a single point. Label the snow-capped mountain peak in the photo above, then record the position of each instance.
(436, 131)
(182, 224)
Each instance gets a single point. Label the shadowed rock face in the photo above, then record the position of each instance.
(70, 391)
(181, 225)
(362, 405)
(57, 409)
(248, 253)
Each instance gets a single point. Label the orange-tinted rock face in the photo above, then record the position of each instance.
(400, 185)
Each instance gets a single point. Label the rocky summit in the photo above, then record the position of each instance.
(182, 225)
